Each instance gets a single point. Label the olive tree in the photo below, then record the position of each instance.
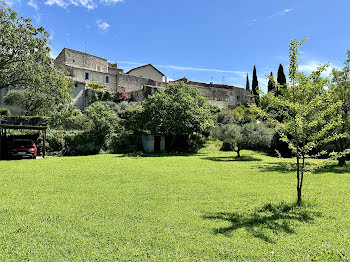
(246, 136)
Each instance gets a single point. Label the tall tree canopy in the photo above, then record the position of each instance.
(271, 84)
(247, 85)
(281, 80)
(26, 67)
(255, 87)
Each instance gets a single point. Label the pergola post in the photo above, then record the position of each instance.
(44, 140)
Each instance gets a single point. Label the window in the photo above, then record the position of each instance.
(99, 68)
(76, 84)
(238, 98)
(106, 79)
(87, 76)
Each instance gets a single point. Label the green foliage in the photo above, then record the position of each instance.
(26, 66)
(251, 135)
(5, 112)
(177, 110)
(96, 86)
(240, 115)
(255, 87)
(102, 122)
(100, 95)
(340, 87)
(308, 113)
(24, 51)
(123, 143)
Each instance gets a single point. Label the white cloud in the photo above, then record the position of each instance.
(188, 68)
(311, 66)
(102, 25)
(253, 22)
(33, 4)
(281, 13)
(11, 3)
(89, 4)
(60, 3)
(111, 1)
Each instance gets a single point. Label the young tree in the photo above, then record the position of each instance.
(255, 87)
(341, 90)
(245, 136)
(309, 115)
(271, 84)
(247, 85)
(281, 80)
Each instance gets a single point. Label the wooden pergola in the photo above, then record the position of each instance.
(5, 127)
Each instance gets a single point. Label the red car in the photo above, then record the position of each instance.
(23, 148)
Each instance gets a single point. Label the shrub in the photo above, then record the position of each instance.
(5, 112)
(124, 143)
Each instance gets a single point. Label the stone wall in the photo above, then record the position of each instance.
(129, 83)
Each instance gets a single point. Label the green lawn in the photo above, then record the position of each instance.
(206, 207)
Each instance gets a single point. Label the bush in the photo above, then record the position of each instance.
(5, 112)
(124, 143)
(70, 143)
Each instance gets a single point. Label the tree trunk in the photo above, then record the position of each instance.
(238, 154)
(299, 196)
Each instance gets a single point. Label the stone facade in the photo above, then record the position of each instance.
(223, 96)
(85, 68)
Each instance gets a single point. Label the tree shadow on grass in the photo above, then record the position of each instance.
(142, 154)
(271, 219)
(277, 167)
(334, 168)
(291, 167)
(232, 158)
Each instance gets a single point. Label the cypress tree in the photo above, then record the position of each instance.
(281, 80)
(255, 87)
(271, 84)
(247, 85)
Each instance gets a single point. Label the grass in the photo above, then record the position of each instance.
(208, 206)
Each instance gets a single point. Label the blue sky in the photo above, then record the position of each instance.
(204, 40)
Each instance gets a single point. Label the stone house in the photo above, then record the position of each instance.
(223, 96)
(86, 68)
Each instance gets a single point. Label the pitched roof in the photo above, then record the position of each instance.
(145, 66)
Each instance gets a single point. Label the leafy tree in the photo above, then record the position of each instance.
(23, 50)
(271, 84)
(255, 87)
(309, 115)
(25, 64)
(51, 98)
(243, 137)
(240, 115)
(247, 85)
(341, 90)
(281, 80)
(179, 110)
